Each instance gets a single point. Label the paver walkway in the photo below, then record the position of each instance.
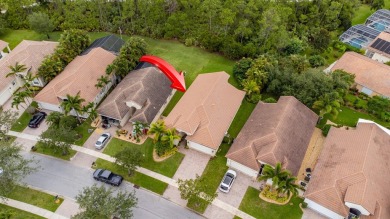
(32, 209)
(147, 172)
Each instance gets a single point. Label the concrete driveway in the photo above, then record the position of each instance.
(42, 127)
(234, 197)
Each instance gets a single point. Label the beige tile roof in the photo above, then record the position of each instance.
(148, 85)
(384, 36)
(275, 132)
(354, 167)
(29, 53)
(369, 73)
(207, 109)
(3, 45)
(79, 75)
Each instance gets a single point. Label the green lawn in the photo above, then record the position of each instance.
(253, 205)
(242, 115)
(51, 152)
(7, 212)
(362, 14)
(137, 178)
(349, 117)
(212, 176)
(167, 167)
(34, 197)
(83, 131)
(22, 122)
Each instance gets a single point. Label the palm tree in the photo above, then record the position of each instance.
(73, 103)
(28, 79)
(277, 174)
(16, 69)
(250, 87)
(170, 136)
(24, 95)
(102, 81)
(329, 103)
(16, 101)
(158, 129)
(288, 186)
(90, 109)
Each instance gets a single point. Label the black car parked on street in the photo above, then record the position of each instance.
(107, 177)
(36, 120)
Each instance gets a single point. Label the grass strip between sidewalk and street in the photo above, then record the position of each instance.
(34, 197)
(167, 167)
(136, 178)
(51, 152)
(14, 213)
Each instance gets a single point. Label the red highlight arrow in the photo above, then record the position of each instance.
(175, 77)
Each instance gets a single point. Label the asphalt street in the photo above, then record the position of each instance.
(68, 180)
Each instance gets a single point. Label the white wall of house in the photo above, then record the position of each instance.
(380, 58)
(201, 148)
(242, 168)
(49, 106)
(101, 94)
(358, 207)
(322, 210)
(366, 91)
(6, 93)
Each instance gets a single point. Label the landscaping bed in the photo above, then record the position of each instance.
(34, 197)
(7, 212)
(167, 167)
(260, 209)
(137, 178)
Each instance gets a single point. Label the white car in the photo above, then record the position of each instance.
(227, 181)
(102, 141)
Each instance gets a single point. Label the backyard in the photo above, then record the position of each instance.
(167, 167)
(253, 205)
(7, 212)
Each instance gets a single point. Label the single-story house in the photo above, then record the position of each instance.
(4, 45)
(110, 43)
(352, 175)
(274, 133)
(371, 77)
(379, 49)
(80, 75)
(141, 96)
(28, 53)
(206, 110)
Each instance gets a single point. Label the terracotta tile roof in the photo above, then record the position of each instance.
(207, 109)
(147, 85)
(3, 45)
(369, 73)
(354, 167)
(275, 132)
(79, 75)
(383, 36)
(28, 53)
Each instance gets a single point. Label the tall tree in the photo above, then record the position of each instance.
(329, 103)
(73, 103)
(194, 190)
(170, 136)
(7, 119)
(129, 158)
(158, 129)
(288, 186)
(58, 139)
(41, 23)
(277, 174)
(102, 81)
(100, 202)
(17, 68)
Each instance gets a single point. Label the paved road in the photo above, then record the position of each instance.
(66, 179)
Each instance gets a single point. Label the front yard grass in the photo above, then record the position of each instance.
(21, 123)
(83, 131)
(253, 205)
(51, 152)
(7, 212)
(167, 167)
(34, 197)
(137, 178)
(212, 176)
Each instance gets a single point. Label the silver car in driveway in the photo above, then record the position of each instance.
(227, 181)
(102, 141)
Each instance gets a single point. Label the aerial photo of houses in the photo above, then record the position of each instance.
(194, 109)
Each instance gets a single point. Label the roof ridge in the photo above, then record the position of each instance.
(368, 59)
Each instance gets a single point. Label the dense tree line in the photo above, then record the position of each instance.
(237, 28)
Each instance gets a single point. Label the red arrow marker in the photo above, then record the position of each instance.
(175, 77)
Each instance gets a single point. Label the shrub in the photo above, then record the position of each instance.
(240, 68)
(189, 42)
(69, 122)
(304, 205)
(255, 98)
(269, 100)
(316, 61)
(325, 129)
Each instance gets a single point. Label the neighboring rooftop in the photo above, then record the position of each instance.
(146, 87)
(206, 109)
(381, 44)
(369, 73)
(79, 75)
(354, 167)
(28, 53)
(275, 132)
(110, 43)
(379, 20)
(359, 36)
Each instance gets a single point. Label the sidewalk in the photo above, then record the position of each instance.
(147, 172)
(32, 209)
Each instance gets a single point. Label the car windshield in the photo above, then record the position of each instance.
(227, 180)
(224, 187)
(98, 142)
(104, 135)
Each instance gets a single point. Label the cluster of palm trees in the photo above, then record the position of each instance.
(164, 138)
(282, 180)
(22, 96)
(75, 103)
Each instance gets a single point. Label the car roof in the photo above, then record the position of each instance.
(106, 173)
